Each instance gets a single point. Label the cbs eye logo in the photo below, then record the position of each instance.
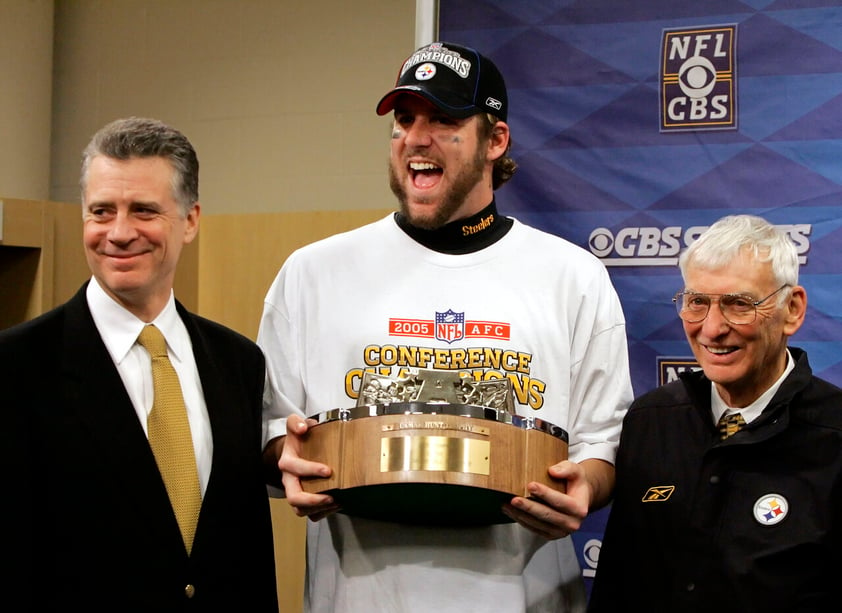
(697, 77)
(590, 555)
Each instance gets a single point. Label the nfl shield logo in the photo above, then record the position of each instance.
(450, 326)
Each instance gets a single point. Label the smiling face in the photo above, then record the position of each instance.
(440, 169)
(743, 360)
(134, 230)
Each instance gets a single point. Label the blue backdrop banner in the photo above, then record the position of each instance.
(638, 124)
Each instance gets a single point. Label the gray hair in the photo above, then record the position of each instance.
(732, 235)
(138, 137)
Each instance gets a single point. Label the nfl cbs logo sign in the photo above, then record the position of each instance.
(698, 79)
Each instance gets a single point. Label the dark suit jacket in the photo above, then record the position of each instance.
(88, 522)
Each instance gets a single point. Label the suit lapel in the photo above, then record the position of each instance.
(94, 390)
(216, 387)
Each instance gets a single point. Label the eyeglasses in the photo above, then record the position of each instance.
(737, 309)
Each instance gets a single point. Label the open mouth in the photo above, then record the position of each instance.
(425, 174)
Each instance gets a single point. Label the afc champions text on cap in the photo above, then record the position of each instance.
(458, 80)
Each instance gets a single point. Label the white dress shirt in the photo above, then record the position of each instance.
(119, 330)
(752, 411)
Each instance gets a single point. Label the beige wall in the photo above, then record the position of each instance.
(277, 96)
(26, 64)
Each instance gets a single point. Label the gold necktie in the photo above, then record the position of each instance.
(170, 438)
(729, 424)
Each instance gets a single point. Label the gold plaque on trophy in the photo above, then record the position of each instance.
(433, 448)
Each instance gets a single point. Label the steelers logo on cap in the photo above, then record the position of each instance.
(425, 71)
(770, 509)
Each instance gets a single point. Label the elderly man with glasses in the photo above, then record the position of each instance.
(729, 480)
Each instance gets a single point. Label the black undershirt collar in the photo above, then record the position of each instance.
(463, 235)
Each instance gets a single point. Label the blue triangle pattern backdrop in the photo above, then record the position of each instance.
(584, 79)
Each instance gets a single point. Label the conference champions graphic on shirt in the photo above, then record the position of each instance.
(488, 357)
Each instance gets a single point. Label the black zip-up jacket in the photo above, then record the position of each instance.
(748, 524)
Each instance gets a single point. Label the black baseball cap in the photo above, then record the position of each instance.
(458, 80)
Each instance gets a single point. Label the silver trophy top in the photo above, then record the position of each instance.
(436, 386)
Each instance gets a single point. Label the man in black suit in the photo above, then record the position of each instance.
(89, 522)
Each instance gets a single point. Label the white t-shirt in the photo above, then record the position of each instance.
(544, 306)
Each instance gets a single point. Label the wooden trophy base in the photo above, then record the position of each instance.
(431, 463)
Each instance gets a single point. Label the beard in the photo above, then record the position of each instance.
(465, 181)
